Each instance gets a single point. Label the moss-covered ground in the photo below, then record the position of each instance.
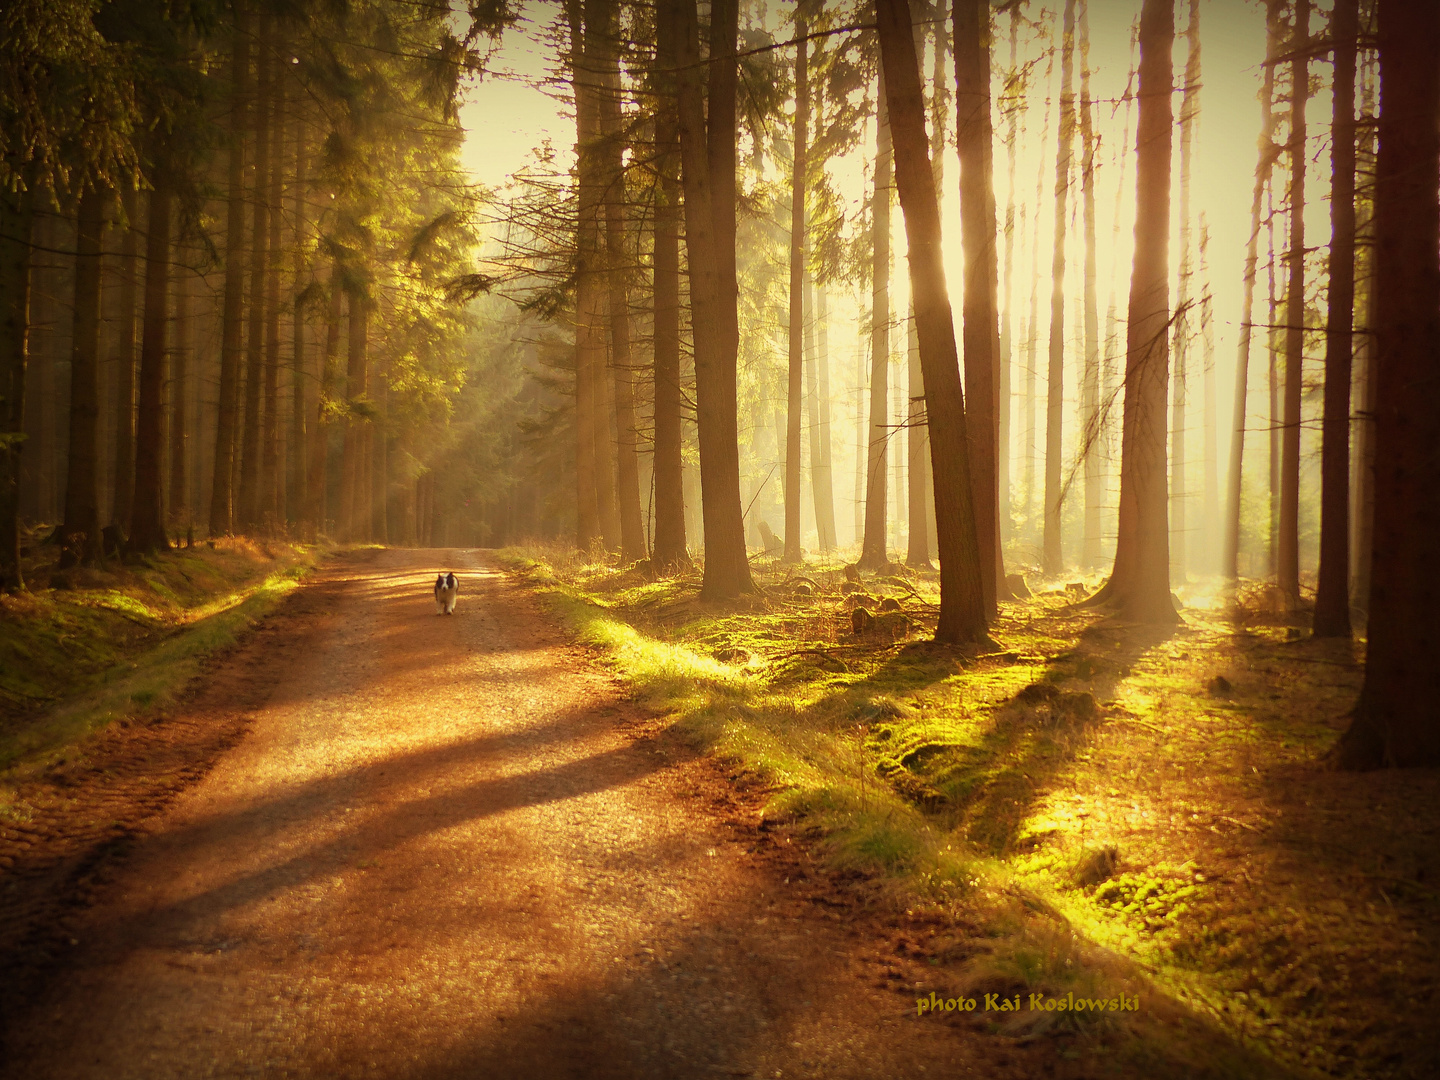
(81, 650)
(1118, 810)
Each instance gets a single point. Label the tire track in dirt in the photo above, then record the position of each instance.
(447, 847)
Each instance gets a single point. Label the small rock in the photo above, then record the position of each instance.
(1219, 686)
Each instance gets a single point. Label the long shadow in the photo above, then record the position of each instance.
(992, 786)
(373, 833)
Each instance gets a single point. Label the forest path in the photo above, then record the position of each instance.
(448, 848)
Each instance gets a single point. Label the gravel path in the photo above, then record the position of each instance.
(447, 847)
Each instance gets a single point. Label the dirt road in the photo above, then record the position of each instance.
(447, 847)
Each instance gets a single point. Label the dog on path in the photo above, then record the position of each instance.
(446, 591)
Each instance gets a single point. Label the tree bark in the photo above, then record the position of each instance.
(180, 420)
(981, 332)
(80, 533)
(271, 494)
(962, 604)
(917, 551)
(707, 150)
(1332, 594)
(627, 473)
(794, 389)
(1287, 551)
(147, 516)
(873, 554)
(250, 465)
(354, 507)
(1179, 389)
(1139, 585)
(1032, 334)
(1230, 557)
(317, 485)
(589, 329)
(378, 436)
(1004, 425)
(298, 502)
(17, 223)
(1395, 723)
(222, 518)
(1052, 559)
(1090, 380)
(123, 484)
(670, 541)
(821, 470)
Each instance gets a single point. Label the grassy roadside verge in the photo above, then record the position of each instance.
(125, 641)
(1120, 814)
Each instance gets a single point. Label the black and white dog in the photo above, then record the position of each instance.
(446, 590)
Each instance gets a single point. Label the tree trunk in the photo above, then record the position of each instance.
(589, 329)
(1032, 336)
(1090, 379)
(873, 554)
(962, 603)
(1287, 551)
(317, 485)
(298, 502)
(1139, 585)
(1230, 557)
(123, 485)
(1052, 559)
(222, 520)
(916, 427)
(632, 526)
(17, 223)
(180, 420)
(707, 150)
(271, 505)
(797, 302)
(1007, 322)
(250, 465)
(980, 319)
(354, 508)
(1179, 389)
(379, 460)
(670, 542)
(1212, 406)
(147, 516)
(1110, 367)
(1394, 723)
(921, 493)
(822, 472)
(606, 489)
(80, 533)
(1332, 594)
(858, 488)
